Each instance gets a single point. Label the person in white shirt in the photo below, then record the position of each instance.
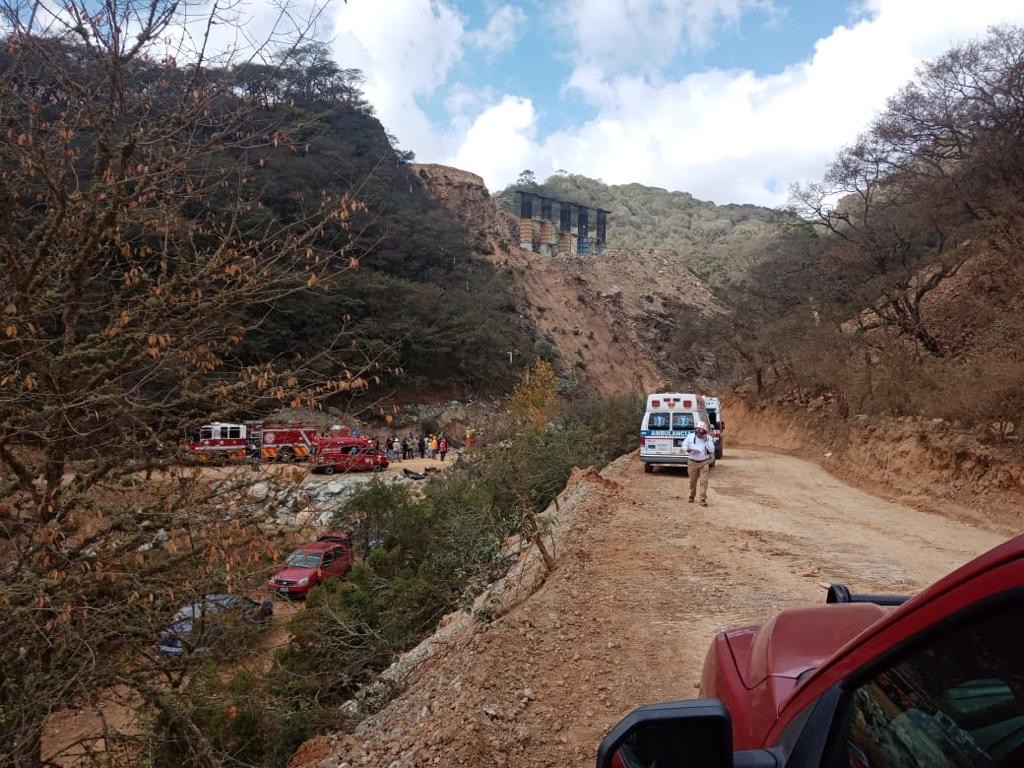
(700, 450)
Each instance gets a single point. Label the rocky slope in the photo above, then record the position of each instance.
(616, 319)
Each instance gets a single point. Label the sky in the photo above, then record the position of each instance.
(730, 100)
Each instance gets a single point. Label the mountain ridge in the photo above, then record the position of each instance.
(720, 243)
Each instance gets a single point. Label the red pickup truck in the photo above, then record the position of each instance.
(863, 681)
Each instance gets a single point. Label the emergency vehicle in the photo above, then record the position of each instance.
(668, 419)
(344, 453)
(275, 442)
(717, 426)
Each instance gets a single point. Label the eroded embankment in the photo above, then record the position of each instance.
(929, 463)
(643, 581)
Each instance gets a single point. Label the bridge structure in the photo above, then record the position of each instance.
(570, 234)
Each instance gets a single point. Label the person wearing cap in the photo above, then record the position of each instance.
(700, 450)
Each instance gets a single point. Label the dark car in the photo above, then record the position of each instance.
(862, 681)
(198, 627)
(328, 557)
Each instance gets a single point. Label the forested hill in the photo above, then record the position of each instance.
(720, 243)
(420, 298)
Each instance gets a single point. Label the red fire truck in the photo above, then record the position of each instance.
(275, 442)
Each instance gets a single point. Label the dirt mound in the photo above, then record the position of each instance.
(480, 712)
(614, 318)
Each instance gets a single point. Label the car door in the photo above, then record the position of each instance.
(368, 458)
(344, 559)
(328, 564)
(939, 686)
(351, 458)
(340, 562)
(958, 700)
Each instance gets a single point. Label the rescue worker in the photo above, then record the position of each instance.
(442, 448)
(255, 454)
(700, 450)
(422, 445)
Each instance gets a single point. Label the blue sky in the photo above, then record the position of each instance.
(764, 41)
(731, 100)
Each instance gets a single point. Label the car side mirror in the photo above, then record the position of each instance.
(694, 734)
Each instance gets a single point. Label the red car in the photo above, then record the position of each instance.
(348, 454)
(328, 557)
(864, 681)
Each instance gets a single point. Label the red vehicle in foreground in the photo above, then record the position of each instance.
(348, 454)
(864, 681)
(329, 557)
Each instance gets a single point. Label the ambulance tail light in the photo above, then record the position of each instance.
(687, 403)
(716, 433)
(655, 403)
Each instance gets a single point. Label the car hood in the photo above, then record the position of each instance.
(294, 573)
(798, 639)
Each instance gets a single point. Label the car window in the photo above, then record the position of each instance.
(659, 421)
(328, 557)
(958, 702)
(682, 421)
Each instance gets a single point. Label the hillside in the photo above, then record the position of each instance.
(617, 321)
(419, 297)
(718, 242)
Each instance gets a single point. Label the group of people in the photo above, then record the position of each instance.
(402, 448)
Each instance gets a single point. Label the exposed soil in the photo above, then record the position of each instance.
(613, 317)
(930, 464)
(643, 582)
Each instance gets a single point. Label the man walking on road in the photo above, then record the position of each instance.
(700, 450)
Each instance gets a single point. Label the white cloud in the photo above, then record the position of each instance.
(729, 136)
(500, 142)
(504, 27)
(405, 53)
(735, 136)
(645, 35)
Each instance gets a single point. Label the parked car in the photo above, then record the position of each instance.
(348, 454)
(199, 627)
(330, 556)
(863, 681)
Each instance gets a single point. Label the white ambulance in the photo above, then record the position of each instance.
(669, 418)
(716, 423)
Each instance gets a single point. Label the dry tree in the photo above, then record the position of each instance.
(133, 251)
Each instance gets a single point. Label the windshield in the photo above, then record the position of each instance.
(303, 560)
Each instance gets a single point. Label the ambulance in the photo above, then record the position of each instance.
(668, 419)
(715, 423)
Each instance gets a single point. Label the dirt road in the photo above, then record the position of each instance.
(645, 581)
